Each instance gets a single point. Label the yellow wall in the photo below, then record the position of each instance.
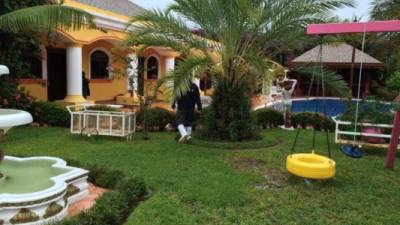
(104, 90)
(36, 89)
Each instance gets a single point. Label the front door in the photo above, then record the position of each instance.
(56, 74)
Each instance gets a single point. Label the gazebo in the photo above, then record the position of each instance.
(342, 58)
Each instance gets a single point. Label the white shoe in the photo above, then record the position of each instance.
(183, 139)
(189, 138)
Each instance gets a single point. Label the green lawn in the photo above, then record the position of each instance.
(196, 185)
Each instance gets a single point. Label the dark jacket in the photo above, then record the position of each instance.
(189, 100)
(85, 87)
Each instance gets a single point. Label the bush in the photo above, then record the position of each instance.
(102, 108)
(229, 117)
(133, 189)
(13, 97)
(52, 114)
(393, 84)
(104, 177)
(267, 118)
(157, 119)
(317, 121)
(110, 209)
(114, 207)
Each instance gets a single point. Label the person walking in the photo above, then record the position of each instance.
(185, 111)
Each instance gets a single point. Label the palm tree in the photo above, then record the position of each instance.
(47, 17)
(235, 37)
(385, 9)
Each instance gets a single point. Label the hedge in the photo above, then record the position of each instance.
(156, 118)
(50, 113)
(113, 207)
(317, 121)
(268, 118)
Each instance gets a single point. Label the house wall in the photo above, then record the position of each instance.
(89, 39)
(35, 87)
(105, 89)
(102, 89)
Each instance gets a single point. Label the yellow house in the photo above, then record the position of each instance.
(66, 56)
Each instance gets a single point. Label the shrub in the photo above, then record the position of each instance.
(114, 207)
(52, 114)
(110, 209)
(317, 121)
(102, 108)
(133, 189)
(104, 177)
(13, 97)
(267, 118)
(156, 119)
(393, 84)
(229, 117)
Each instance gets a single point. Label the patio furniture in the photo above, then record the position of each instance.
(87, 121)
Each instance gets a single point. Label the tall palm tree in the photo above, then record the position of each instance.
(47, 17)
(238, 32)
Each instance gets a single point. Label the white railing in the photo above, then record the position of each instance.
(89, 122)
(340, 133)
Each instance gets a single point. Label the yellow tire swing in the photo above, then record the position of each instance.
(311, 165)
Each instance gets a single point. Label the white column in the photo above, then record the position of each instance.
(74, 75)
(43, 53)
(132, 72)
(196, 81)
(169, 64)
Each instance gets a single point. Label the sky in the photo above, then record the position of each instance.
(362, 9)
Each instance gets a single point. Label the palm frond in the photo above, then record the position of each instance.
(178, 81)
(333, 82)
(46, 17)
(162, 25)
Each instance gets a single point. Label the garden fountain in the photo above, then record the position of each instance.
(35, 190)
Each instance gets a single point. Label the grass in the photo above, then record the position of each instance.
(198, 185)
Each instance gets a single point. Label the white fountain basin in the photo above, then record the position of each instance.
(42, 206)
(11, 118)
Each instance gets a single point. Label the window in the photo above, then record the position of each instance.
(152, 68)
(99, 62)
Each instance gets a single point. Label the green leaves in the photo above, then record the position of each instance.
(244, 30)
(385, 10)
(46, 17)
(332, 81)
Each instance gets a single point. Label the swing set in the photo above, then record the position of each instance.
(314, 166)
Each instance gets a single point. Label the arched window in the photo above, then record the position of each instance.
(152, 68)
(99, 63)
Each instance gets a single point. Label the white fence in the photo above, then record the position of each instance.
(344, 133)
(104, 123)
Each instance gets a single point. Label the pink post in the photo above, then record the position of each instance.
(394, 141)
